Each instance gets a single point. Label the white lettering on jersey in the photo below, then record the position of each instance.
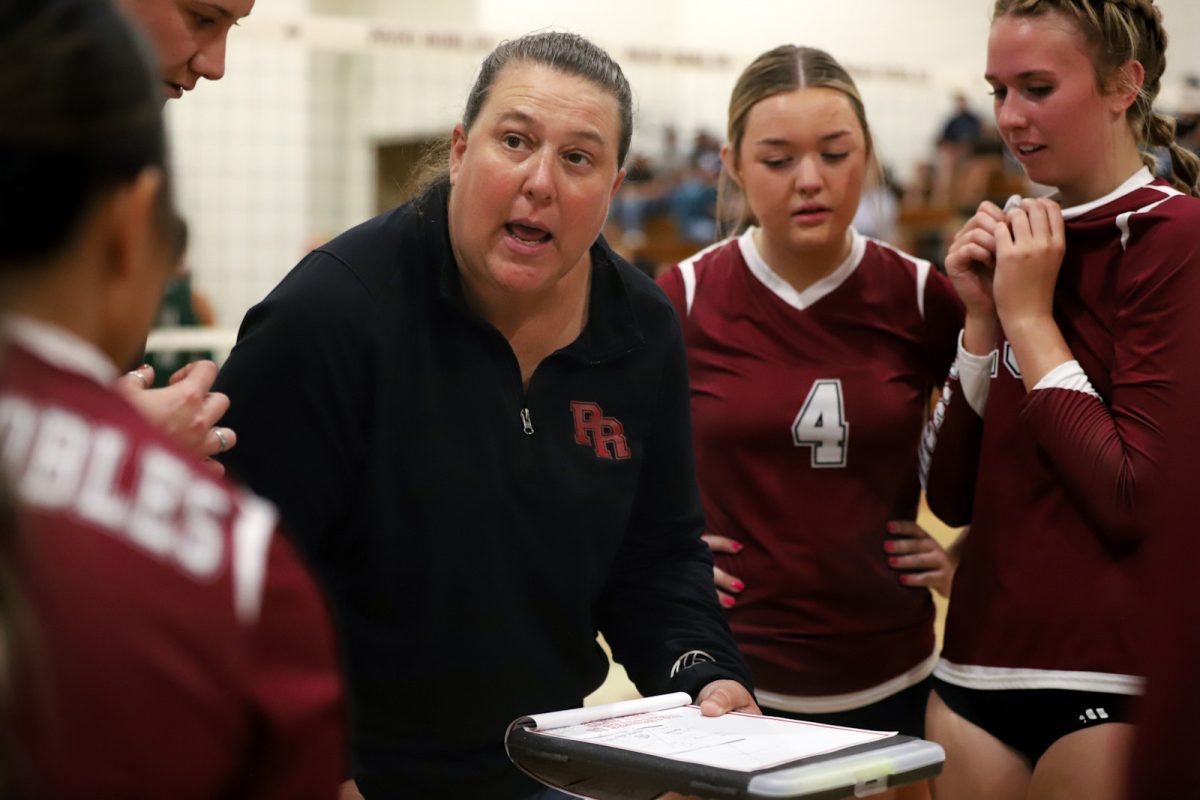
(821, 424)
(61, 462)
(55, 469)
(251, 541)
(1010, 361)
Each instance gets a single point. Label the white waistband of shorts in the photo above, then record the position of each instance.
(834, 703)
(971, 676)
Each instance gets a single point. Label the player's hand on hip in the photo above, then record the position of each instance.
(721, 697)
(918, 557)
(727, 585)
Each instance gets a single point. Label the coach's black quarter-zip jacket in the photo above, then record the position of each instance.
(473, 535)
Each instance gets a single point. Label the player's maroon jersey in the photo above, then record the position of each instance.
(807, 409)
(171, 644)
(1061, 483)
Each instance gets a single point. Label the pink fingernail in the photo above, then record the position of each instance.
(738, 547)
(893, 561)
(891, 526)
(728, 602)
(904, 579)
(737, 586)
(889, 546)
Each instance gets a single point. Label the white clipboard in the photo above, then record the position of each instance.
(639, 749)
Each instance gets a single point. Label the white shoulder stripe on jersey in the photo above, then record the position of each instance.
(922, 268)
(1123, 219)
(252, 531)
(976, 677)
(687, 270)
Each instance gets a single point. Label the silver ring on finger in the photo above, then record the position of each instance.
(222, 442)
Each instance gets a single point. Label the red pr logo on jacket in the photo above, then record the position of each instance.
(605, 435)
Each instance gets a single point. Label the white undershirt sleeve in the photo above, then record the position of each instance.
(1067, 375)
(975, 376)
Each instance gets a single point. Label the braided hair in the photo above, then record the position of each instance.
(1119, 31)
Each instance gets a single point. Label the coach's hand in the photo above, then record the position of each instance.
(723, 696)
(349, 791)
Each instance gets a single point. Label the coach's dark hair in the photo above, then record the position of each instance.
(82, 116)
(568, 53)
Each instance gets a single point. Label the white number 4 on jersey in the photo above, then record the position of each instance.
(821, 424)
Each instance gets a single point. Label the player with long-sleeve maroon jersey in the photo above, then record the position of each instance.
(1059, 428)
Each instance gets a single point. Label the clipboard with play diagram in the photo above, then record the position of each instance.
(639, 749)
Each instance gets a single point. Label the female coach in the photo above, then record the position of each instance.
(484, 444)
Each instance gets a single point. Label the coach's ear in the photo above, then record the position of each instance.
(458, 150)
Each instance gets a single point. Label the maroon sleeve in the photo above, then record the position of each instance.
(296, 687)
(950, 444)
(671, 282)
(950, 455)
(1110, 457)
(943, 321)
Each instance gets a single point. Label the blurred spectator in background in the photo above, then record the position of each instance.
(954, 145)
(694, 201)
(879, 206)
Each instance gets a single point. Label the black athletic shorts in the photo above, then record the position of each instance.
(1030, 720)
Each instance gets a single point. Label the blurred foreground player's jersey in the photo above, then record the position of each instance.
(168, 642)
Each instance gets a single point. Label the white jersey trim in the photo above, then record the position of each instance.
(922, 268)
(1067, 375)
(1134, 182)
(784, 290)
(687, 271)
(60, 347)
(989, 678)
(1123, 219)
(834, 703)
(252, 531)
